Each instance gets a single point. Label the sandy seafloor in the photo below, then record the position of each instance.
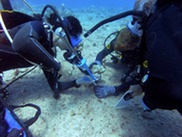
(78, 112)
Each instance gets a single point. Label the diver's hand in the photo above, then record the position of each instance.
(84, 81)
(102, 91)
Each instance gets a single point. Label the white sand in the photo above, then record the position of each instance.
(78, 112)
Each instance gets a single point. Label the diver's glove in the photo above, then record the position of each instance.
(102, 91)
(84, 81)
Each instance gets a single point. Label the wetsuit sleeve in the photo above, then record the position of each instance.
(125, 86)
(102, 54)
(28, 42)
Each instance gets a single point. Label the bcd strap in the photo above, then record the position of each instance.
(26, 124)
(31, 120)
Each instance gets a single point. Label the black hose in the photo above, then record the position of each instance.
(60, 20)
(113, 18)
(105, 46)
(54, 10)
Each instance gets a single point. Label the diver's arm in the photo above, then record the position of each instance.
(26, 43)
(122, 88)
(102, 54)
(96, 66)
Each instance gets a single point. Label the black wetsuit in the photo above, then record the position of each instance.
(30, 46)
(30, 43)
(129, 58)
(163, 40)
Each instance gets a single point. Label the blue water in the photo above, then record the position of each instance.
(87, 3)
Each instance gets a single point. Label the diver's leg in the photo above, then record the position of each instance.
(10, 59)
(52, 79)
(27, 44)
(56, 86)
(66, 85)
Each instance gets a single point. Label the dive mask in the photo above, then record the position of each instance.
(74, 40)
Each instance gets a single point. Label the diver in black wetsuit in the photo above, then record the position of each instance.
(32, 45)
(161, 44)
(127, 41)
(162, 39)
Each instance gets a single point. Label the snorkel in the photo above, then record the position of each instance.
(71, 43)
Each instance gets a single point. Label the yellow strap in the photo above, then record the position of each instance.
(22, 1)
(108, 46)
(9, 11)
(122, 28)
(145, 63)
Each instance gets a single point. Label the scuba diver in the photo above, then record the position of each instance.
(161, 46)
(127, 42)
(26, 41)
(162, 41)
